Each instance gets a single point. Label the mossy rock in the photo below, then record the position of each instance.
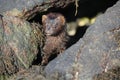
(19, 41)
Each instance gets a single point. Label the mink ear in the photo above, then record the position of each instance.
(44, 17)
(62, 19)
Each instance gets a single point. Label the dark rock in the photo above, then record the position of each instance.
(27, 9)
(7, 5)
(97, 52)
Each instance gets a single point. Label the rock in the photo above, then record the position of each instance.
(19, 41)
(33, 73)
(28, 9)
(98, 52)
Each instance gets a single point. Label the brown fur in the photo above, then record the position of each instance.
(56, 37)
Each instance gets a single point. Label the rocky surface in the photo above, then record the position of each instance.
(33, 73)
(19, 41)
(27, 9)
(97, 52)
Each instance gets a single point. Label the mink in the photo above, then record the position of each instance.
(54, 26)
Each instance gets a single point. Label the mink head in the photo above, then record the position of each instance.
(53, 23)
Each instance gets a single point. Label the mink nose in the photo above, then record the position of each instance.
(47, 28)
(48, 31)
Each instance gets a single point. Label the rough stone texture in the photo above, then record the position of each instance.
(19, 41)
(33, 73)
(96, 53)
(6, 5)
(28, 8)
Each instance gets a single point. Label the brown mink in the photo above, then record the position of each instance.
(54, 26)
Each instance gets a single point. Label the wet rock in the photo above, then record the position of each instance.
(97, 52)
